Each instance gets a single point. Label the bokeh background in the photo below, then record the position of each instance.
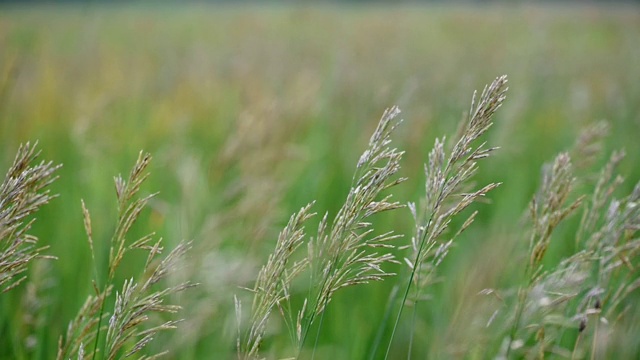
(252, 110)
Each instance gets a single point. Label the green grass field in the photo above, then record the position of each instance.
(252, 112)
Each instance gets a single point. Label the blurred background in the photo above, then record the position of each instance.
(253, 109)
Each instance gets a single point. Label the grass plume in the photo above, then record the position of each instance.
(126, 330)
(343, 253)
(552, 312)
(447, 194)
(22, 193)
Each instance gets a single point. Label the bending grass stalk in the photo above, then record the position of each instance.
(446, 181)
(271, 289)
(340, 259)
(385, 320)
(315, 345)
(127, 215)
(339, 256)
(136, 300)
(547, 211)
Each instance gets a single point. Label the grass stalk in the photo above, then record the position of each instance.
(446, 178)
(137, 299)
(341, 255)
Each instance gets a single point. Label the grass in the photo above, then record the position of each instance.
(251, 113)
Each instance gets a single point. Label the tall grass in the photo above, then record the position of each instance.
(251, 114)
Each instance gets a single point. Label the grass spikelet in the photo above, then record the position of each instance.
(22, 193)
(589, 144)
(272, 285)
(616, 248)
(548, 207)
(137, 300)
(547, 210)
(447, 178)
(128, 210)
(344, 253)
(563, 298)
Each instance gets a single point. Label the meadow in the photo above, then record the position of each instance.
(251, 112)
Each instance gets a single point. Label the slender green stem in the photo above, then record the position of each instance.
(416, 265)
(315, 345)
(522, 297)
(575, 347)
(516, 323)
(103, 297)
(594, 342)
(108, 280)
(406, 290)
(310, 320)
(319, 299)
(395, 325)
(414, 314)
(385, 320)
(413, 324)
(102, 302)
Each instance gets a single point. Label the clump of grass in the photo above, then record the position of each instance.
(126, 331)
(338, 257)
(552, 309)
(343, 253)
(545, 294)
(547, 209)
(22, 193)
(615, 246)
